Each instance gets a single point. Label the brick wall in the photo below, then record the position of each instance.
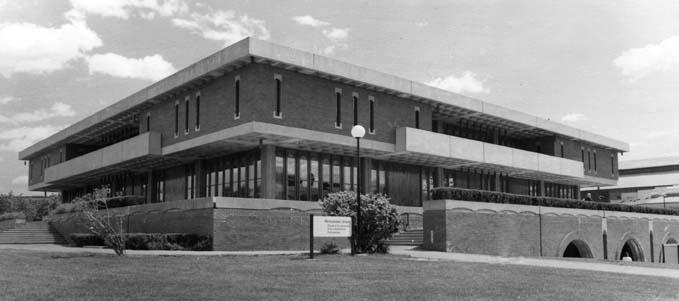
(519, 230)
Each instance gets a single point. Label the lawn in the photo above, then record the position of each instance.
(31, 275)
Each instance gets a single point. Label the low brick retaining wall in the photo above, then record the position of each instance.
(521, 230)
(235, 224)
(11, 223)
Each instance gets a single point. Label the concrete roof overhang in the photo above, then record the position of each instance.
(520, 164)
(448, 104)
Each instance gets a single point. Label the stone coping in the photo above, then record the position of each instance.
(499, 207)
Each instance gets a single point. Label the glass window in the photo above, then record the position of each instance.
(220, 183)
(372, 115)
(251, 179)
(314, 178)
(198, 111)
(338, 104)
(336, 175)
(355, 103)
(237, 97)
(258, 178)
(417, 117)
(373, 179)
(595, 165)
(382, 176)
(326, 177)
(278, 95)
(291, 177)
(227, 181)
(242, 183)
(346, 175)
(280, 177)
(186, 115)
(176, 118)
(303, 178)
(235, 179)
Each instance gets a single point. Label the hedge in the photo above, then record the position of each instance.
(12, 215)
(112, 202)
(151, 241)
(449, 193)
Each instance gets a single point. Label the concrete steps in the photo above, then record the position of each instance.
(407, 238)
(32, 233)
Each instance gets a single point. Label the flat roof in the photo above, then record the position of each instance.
(249, 49)
(650, 162)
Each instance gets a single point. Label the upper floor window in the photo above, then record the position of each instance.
(589, 160)
(595, 165)
(417, 117)
(198, 111)
(277, 113)
(186, 115)
(148, 121)
(176, 118)
(562, 150)
(612, 165)
(338, 104)
(371, 126)
(582, 154)
(236, 113)
(355, 104)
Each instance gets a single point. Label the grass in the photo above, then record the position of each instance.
(32, 275)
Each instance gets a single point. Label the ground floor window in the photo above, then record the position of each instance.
(237, 175)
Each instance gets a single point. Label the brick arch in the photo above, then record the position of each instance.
(580, 242)
(628, 236)
(668, 237)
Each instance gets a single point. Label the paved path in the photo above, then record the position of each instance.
(65, 249)
(613, 267)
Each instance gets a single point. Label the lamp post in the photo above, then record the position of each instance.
(357, 131)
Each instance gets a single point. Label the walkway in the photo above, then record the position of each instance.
(612, 267)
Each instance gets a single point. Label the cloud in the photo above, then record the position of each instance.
(19, 138)
(147, 68)
(465, 83)
(6, 99)
(336, 34)
(30, 48)
(637, 63)
(572, 117)
(309, 21)
(123, 9)
(224, 26)
(20, 180)
(58, 109)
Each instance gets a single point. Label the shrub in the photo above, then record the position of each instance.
(12, 215)
(330, 248)
(78, 204)
(379, 219)
(86, 239)
(451, 193)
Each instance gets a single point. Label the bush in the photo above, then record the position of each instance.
(450, 193)
(86, 239)
(77, 204)
(12, 215)
(379, 219)
(151, 241)
(330, 248)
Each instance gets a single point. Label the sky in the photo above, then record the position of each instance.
(609, 67)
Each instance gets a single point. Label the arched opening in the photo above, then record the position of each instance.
(671, 241)
(632, 249)
(577, 248)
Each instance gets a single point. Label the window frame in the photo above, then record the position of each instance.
(278, 85)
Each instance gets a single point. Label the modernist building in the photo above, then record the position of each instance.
(259, 120)
(650, 182)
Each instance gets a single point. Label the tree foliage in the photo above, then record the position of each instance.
(34, 208)
(379, 219)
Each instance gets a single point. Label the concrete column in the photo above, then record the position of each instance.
(268, 157)
(498, 183)
(542, 188)
(150, 187)
(199, 189)
(439, 177)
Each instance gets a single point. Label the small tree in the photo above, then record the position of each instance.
(101, 222)
(379, 219)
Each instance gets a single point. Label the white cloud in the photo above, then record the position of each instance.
(19, 138)
(20, 180)
(572, 117)
(148, 68)
(123, 9)
(309, 21)
(224, 26)
(58, 109)
(336, 34)
(30, 48)
(6, 99)
(465, 83)
(637, 63)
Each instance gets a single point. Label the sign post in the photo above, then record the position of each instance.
(329, 226)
